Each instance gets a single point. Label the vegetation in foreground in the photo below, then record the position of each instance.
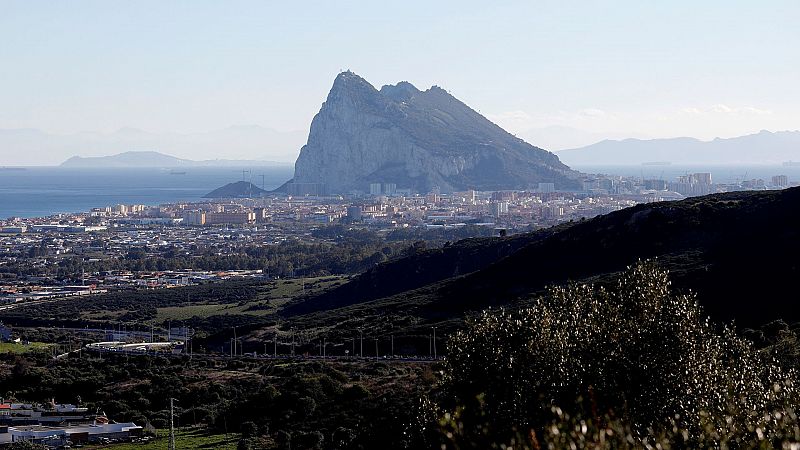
(633, 366)
(295, 404)
(627, 365)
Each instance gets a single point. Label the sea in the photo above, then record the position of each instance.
(44, 191)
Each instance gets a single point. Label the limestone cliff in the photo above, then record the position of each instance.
(416, 139)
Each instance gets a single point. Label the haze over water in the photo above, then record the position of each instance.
(42, 191)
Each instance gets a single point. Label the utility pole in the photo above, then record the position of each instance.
(361, 333)
(171, 424)
(275, 345)
(376, 349)
(234, 341)
(434, 342)
(392, 346)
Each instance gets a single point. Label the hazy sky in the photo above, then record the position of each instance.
(658, 69)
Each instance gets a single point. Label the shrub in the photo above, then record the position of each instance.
(636, 353)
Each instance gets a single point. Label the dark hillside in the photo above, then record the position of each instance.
(738, 251)
(420, 269)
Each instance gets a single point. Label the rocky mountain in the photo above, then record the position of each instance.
(737, 251)
(141, 159)
(238, 189)
(761, 148)
(416, 139)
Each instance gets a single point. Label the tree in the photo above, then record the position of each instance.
(249, 429)
(636, 351)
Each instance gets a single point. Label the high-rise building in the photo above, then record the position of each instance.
(354, 213)
(389, 188)
(655, 185)
(194, 218)
(375, 189)
(261, 214)
(780, 181)
(231, 218)
(498, 209)
(302, 189)
(545, 188)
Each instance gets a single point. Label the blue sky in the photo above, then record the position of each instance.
(656, 69)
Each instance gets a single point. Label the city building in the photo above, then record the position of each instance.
(780, 181)
(194, 218)
(546, 188)
(231, 218)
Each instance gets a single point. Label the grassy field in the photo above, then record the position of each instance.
(270, 299)
(19, 347)
(188, 438)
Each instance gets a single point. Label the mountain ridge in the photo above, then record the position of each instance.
(34, 147)
(764, 147)
(151, 159)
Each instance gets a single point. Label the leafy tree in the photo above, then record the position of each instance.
(637, 352)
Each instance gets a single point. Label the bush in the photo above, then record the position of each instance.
(637, 354)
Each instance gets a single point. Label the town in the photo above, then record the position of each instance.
(60, 256)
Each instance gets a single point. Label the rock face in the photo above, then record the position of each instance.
(416, 139)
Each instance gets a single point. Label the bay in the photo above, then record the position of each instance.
(43, 191)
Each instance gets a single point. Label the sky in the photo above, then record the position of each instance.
(589, 68)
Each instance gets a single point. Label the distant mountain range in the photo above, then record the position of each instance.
(557, 137)
(19, 147)
(419, 140)
(154, 159)
(760, 148)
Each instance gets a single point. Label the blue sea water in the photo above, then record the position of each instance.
(42, 191)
